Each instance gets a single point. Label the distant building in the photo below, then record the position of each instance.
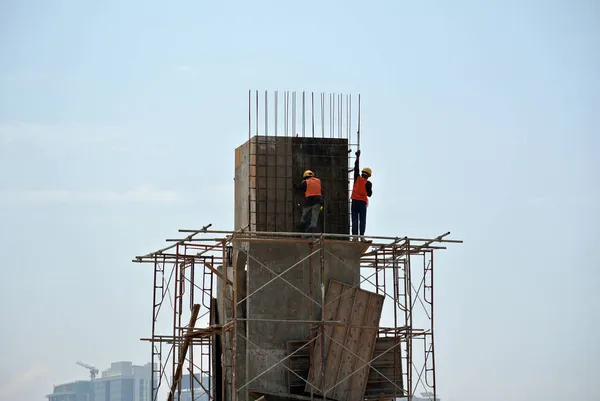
(426, 397)
(199, 391)
(74, 391)
(123, 382)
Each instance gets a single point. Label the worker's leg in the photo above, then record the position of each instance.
(354, 210)
(315, 210)
(305, 219)
(362, 213)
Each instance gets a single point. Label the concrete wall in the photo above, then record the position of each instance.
(280, 301)
(242, 186)
(267, 170)
(328, 159)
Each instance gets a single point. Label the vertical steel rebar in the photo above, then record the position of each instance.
(257, 131)
(303, 114)
(340, 110)
(294, 133)
(266, 114)
(350, 119)
(333, 115)
(323, 114)
(312, 113)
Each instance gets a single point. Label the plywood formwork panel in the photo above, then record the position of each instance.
(385, 378)
(268, 168)
(348, 345)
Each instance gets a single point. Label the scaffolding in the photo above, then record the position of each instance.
(373, 340)
(189, 330)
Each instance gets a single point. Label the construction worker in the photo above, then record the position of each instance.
(361, 192)
(313, 201)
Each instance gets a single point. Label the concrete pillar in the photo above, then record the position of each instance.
(278, 303)
(268, 168)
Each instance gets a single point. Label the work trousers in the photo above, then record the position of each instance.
(359, 213)
(310, 218)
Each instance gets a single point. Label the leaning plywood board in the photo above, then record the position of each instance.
(385, 374)
(347, 345)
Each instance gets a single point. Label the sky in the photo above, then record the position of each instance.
(118, 123)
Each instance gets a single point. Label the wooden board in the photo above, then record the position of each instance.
(384, 379)
(347, 346)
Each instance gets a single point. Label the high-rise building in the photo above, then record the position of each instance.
(426, 396)
(124, 382)
(74, 391)
(199, 394)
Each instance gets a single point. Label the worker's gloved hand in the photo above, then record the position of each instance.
(357, 153)
(321, 207)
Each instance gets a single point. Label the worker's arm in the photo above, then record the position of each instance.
(356, 163)
(301, 186)
(369, 188)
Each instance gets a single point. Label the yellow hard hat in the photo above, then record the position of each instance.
(308, 173)
(367, 171)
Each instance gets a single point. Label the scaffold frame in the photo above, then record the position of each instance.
(188, 272)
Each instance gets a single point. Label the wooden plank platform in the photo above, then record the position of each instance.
(346, 346)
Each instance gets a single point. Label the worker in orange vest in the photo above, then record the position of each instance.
(361, 192)
(313, 203)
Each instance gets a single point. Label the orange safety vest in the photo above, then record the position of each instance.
(359, 190)
(313, 187)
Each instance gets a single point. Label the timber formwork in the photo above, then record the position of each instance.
(205, 324)
(288, 133)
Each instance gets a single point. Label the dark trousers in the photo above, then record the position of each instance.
(359, 212)
(310, 218)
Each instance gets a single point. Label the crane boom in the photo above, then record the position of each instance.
(93, 370)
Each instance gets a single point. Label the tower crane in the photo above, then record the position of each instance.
(93, 370)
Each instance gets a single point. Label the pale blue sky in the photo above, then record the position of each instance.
(118, 121)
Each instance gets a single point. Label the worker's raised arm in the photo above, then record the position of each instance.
(356, 165)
